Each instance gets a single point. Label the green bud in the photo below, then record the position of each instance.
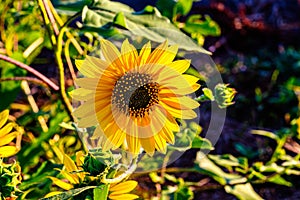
(224, 95)
(93, 165)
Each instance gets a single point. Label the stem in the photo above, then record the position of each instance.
(31, 70)
(57, 46)
(164, 165)
(168, 170)
(119, 178)
(25, 78)
(69, 62)
(62, 73)
(34, 106)
(47, 22)
(51, 17)
(61, 23)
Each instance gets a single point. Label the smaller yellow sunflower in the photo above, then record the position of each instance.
(134, 97)
(73, 173)
(6, 136)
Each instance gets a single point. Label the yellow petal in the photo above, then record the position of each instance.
(181, 114)
(80, 158)
(61, 184)
(69, 164)
(6, 129)
(82, 94)
(182, 81)
(163, 54)
(104, 116)
(115, 135)
(160, 48)
(110, 52)
(133, 142)
(8, 138)
(124, 187)
(180, 65)
(57, 151)
(168, 135)
(7, 151)
(50, 194)
(182, 103)
(85, 110)
(87, 83)
(97, 65)
(91, 67)
(167, 91)
(83, 68)
(3, 117)
(190, 79)
(129, 55)
(171, 123)
(144, 53)
(72, 178)
(160, 143)
(123, 196)
(148, 144)
(168, 55)
(88, 121)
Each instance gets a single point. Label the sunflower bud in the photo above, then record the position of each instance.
(224, 95)
(10, 177)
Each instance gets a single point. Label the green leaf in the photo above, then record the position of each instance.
(225, 160)
(183, 141)
(155, 178)
(171, 8)
(273, 167)
(70, 5)
(69, 194)
(208, 93)
(277, 179)
(243, 191)
(206, 26)
(148, 24)
(183, 192)
(194, 72)
(202, 143)
(120, 20)
(182, 7)
(266, 134)
(166, 7)
(206, 166)
(194, 127)
(245, 150)
(101, 192)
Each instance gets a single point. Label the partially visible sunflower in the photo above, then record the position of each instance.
(72, 171)
(7, 136)
(134, 98)
(76, 178)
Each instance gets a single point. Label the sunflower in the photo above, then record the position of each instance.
(133, 97)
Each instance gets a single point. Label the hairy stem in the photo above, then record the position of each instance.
(122, 176)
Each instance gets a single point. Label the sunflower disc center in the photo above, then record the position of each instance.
(135, 93)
